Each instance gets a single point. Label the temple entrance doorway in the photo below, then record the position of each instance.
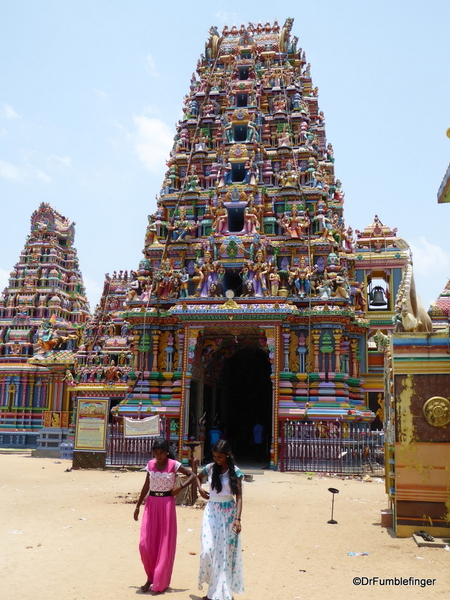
(243, 400)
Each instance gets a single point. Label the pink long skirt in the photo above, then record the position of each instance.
(158, 540)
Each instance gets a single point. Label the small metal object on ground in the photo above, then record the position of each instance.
(333, 491)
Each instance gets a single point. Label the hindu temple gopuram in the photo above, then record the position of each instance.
(42, 312)
(254, 300)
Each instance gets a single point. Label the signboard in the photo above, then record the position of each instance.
(91, 426)
(133, 428)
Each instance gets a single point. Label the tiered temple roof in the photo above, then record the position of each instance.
(440, 309)
(45, 283)
(247, 252)
(251, 210)
(42, 313)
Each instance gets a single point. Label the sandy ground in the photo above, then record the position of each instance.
(70, 535)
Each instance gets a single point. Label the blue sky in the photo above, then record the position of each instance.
(90, 92)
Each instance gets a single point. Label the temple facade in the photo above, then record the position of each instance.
(253, 301)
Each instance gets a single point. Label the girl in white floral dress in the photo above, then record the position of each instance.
(221, 554)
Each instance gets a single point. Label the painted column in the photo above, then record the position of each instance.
(345, 356)
(337, 349)
(183, 355)
(44, 394)
(155, 352)
(39, 393)
(53, 397)
(200, 400)
(286, 338)
(31, 387)
(66, 407)
(58, 393)
(187, 400)
(302, 353)
(169, 353)
(3, 393)
(179, 366)
(49, 403)
(316, 337)
(24, 383)
(277, 365)
(273, 341)
(135, 350)
(66, 401)
(190, 347)
(354, 345)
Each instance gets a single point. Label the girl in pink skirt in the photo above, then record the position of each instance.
(158, 536)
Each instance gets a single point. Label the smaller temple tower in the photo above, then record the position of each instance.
(105, 360)
(382, 260)
(42, 312)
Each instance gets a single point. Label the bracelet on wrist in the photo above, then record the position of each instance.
(237, 519)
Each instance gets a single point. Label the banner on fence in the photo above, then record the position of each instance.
(90, 430)
(133, 428)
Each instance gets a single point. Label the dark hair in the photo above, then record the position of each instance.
(223, 447)
(160, 443)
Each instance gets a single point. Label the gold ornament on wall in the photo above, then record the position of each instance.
(436, 411)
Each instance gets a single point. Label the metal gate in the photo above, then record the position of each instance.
(327, 446)
(122, 451)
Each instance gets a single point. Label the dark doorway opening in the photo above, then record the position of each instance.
(238, 172)
(246, 400)
(240, 133)
(233, 282)
(241, 100)
(112, 403)
(235, 219)
(243, 73)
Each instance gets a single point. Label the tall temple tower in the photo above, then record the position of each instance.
(246, 305)
(42, 312)
(253, 301)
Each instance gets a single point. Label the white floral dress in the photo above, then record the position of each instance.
(221, 553)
